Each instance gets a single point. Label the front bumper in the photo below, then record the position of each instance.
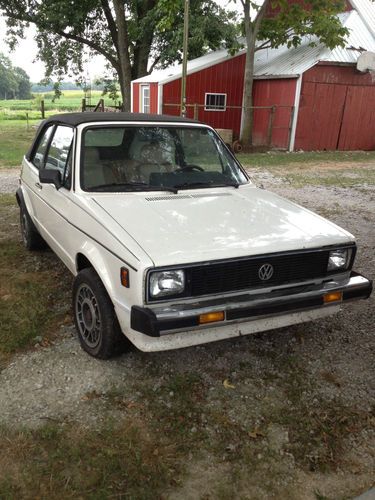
(164, 320)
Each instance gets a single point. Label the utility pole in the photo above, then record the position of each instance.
(184, 58)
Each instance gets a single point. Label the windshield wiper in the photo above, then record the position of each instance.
(131, 186)
(188, 185)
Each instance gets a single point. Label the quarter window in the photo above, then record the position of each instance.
(38, 159)
(215, 102)
(59, 157)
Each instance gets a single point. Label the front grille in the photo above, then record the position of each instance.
(243, 274)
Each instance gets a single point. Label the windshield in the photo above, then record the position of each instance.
(145, 158)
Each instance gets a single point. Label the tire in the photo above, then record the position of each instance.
(30, 236)
(95, 319)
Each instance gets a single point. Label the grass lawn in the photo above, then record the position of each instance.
(15, 140)
(24, 276)
(281, 159)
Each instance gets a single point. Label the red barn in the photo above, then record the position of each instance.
(309, 98)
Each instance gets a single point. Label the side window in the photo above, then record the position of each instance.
(59, 156)
(38, 158)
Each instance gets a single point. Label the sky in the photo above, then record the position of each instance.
(25, 54)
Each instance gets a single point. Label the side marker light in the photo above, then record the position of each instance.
(124, 276)
(332, 297)
(211, 317)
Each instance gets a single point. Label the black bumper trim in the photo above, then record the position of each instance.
(144, 320)
(281, 307)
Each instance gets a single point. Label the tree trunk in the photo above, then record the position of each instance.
(247, 101)
(124, 66)
(251, 32)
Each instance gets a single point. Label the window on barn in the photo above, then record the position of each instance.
(215, 102)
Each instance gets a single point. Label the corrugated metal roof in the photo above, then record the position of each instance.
(284, 62)
(293, 62)
(366, 9)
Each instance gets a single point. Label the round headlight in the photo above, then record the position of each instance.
(164, 283)
(338, 259)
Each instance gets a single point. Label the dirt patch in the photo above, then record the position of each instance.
(295, 418)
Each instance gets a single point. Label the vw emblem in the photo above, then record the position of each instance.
(265, 272)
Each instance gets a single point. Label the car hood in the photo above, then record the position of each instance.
(201, 225)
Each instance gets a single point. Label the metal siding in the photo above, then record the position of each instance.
(223, 78)
(153, 98)
(135, 97)
(273, 93)
(337, 110)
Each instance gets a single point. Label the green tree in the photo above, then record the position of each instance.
(291, 22)
(8, 79)
(23, 83)
(129, 34)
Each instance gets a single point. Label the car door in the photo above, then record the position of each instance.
(58, 209)
(30, 174)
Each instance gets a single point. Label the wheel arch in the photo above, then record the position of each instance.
(92, 257)
(82, 262)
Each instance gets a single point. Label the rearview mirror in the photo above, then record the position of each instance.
(49, 176)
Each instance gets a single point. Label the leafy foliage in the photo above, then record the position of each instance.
(128, 34)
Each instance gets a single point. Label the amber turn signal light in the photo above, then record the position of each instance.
(332, 297)
(124, 274)
(211, 317)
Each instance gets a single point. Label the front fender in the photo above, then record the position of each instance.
(108, 267)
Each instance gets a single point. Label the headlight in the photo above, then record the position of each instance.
(164, 283)
(339, 259)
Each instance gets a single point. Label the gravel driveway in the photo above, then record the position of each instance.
(330, 361)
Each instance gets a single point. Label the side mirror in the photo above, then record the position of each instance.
(49, 176)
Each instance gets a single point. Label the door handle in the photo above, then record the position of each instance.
(38, 185)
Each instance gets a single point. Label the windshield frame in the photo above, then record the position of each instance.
(83, 128)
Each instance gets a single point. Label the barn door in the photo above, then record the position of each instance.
(358, 129)
(320, 116)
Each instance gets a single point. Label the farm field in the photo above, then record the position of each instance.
(70, 100)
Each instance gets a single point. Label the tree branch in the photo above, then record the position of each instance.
(111, 22)
(153, 65)
(89, 43)
(69, 36)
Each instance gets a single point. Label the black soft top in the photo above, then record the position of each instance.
(74, 119)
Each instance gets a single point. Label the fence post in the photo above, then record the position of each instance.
(270, 126)
(196, 111)
(42, 109)
(102, 104)
(83, 105)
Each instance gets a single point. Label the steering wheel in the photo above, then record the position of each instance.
(191, 168)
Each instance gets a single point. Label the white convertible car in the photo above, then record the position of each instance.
(170, 243)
